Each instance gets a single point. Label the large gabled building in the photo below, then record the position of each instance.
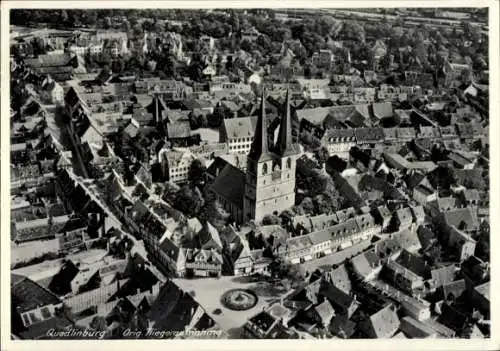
(270, 175)
(268, 184)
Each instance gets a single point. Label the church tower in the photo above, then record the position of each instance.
(270, 175)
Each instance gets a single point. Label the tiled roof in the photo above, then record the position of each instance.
(369, 134)
(390, 133)
(232, 106)
(315, 116)
(405, 133)
(428, 132)
(338, 135)
(455, 288)
(471, 195)
(243, 127)
(414, 263)
(170, 249)
(484, 290)
(443, 275)
(382, 110)
(320, 237)
(49, 60)
(340, 278)
(142, 116)
(27, 295)
(336, 296)
(384, 323)
(131, 130)
(299, 243)
(40, 330)
(323, 221)
(398, 241)
(397, 269)
(210, 233)
(449, 131)
(230, 184)
(404, 214)
(263, 320)
(458, 216)
(179, 129)
(342, 326)
(325, 311)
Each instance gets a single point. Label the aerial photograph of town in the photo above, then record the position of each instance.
(260, 173)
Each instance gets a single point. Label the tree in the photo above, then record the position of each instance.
(442, 177)
(353, 31)
(117, 66)
(196, 173)
(126, 26)
(308, 205)
(420, 51)
(189, 201)
(137, 29)
(170, 191)
(107, 22)
(38, 46)
(309, 140)
(246, 45)
(326, 24)
(321, 154)
(158, 189)
(195, 71)
(264, 43)
(291, 275)
(64, 17)
(167, 64)
(271, 219)
(214, 213)
(217, 117)
(159, 27)
(281, 34)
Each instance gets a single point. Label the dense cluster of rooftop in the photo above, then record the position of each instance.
(343, 171)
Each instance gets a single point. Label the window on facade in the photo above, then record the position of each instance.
(34, 318)
(26, 319)
(288, 163)
(264, 168)
(45, 312)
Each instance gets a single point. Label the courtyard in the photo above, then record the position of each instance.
(208, 292)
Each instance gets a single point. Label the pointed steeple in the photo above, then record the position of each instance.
(285, 145)
(260, 147)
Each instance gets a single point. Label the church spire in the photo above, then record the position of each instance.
(284, 144)
(260, 143)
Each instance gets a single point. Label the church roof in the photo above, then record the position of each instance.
(230, 184)
(260, 145)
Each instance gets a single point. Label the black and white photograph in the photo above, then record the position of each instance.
(248, 173)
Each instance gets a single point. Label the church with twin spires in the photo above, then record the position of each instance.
(267, 185)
